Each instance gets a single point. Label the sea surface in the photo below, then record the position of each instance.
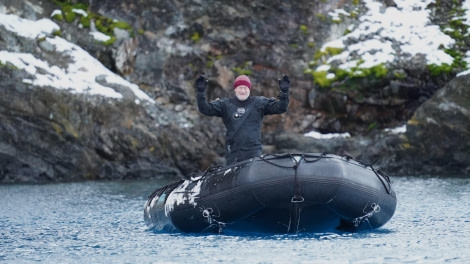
(102, 222)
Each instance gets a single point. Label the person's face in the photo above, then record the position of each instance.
(242, 92)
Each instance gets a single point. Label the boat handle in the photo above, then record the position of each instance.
(297, 199)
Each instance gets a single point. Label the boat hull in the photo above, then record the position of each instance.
(284, 193)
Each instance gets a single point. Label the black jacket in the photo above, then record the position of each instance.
(243, 120)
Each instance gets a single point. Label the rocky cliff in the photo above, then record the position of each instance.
(104, 89)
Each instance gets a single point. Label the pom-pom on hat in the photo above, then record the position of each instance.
(242, 80)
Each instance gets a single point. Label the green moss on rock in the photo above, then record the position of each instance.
(103, 24)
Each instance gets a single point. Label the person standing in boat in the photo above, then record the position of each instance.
(242, 115)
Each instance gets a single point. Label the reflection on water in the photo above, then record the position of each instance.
(100, 222)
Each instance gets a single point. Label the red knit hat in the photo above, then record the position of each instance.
(242, 80)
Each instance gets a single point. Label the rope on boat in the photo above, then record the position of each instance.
(384, 178)
(358, 220)
(381, 175)
(168, 188)
(208, 213)
(297, 199)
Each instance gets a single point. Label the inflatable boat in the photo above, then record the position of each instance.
(282, 193)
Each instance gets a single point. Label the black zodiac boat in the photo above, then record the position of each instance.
(282, 193)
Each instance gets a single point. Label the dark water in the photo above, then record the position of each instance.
(102, 222)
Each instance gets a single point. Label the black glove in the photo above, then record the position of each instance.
(284, 84)
(201, 84)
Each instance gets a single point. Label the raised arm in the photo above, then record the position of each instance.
(214, 108)
(279, 106)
